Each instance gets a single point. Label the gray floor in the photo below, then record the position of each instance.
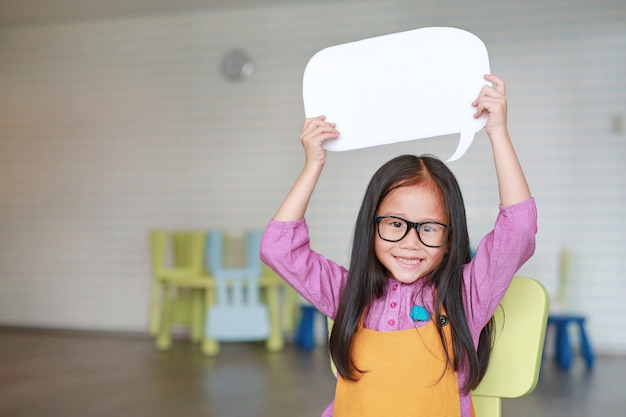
(50, 373)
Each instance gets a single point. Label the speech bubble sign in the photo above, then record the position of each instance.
(403, 86)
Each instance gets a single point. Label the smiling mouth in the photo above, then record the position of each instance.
(409, 261)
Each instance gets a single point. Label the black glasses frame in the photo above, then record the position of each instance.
(410, 225)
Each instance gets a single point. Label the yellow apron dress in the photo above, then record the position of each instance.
(405, 375)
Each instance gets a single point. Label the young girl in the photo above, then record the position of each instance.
(411, 334)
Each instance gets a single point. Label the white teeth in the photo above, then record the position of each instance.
(409, 261)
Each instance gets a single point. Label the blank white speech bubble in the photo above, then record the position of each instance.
(403, 86)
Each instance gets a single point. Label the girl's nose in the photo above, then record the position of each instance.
(411, 240)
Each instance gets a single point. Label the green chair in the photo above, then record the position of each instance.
(520, 323)
(520, 329)
(179, 293)
(282, 302)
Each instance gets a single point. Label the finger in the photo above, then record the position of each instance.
(488, 104)
(498, 83)
(485, 93)
(308, 123)
(315, 123)
(320, 132)
(319, 121)
(480, 108)
(489, 93)
(325, 134)
(322, 127)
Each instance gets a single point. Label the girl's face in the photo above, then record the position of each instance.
(409, 259)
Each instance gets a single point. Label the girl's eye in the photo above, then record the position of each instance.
(428, 227)
(397, 224)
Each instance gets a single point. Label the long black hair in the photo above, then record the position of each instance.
(367, 277)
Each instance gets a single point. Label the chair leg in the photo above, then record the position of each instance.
(291, 309)
(305, 336)
(198, 311)
(155, 309)
(210, 347)
(563, 347)
(275, 342)
(164, 336)
(586, 346)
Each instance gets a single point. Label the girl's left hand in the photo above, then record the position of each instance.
(493, 101)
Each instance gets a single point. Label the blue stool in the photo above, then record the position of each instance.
(305, 334)
(563, 346)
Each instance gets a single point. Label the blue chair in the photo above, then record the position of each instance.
(561, 321)
(305, 334)
(237, 314)
(563, 351)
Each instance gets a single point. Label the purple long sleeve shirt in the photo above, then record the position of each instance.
(499, 255)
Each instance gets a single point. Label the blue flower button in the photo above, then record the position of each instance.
(419, 313)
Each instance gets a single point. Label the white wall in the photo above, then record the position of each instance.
(110, 128)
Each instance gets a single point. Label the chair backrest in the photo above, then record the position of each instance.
(158, 245)
(520, 328)
(187, 251)
(214, 251)
(563, 277)
(237, 314)
(253, 249)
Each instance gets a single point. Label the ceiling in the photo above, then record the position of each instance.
(26, 12)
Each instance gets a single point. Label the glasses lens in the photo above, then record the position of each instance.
(432, 234)
(394, 229)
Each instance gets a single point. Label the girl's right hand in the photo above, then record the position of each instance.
(315, 132)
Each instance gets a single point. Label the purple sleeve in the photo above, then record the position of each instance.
(499, 255)
(286, 249)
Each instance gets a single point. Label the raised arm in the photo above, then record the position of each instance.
(314, 133)
(512, 183)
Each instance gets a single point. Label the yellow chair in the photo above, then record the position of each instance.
(520, 323)
(179, 291)
(276, 294)
(520, 329)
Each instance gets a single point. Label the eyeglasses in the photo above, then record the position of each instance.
(394, 229)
